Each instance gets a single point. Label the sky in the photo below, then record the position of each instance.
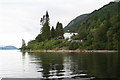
(20, 19)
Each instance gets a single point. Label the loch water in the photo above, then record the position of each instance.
(15, 64)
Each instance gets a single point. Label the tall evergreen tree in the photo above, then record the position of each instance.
(44, 19)
(47, 17)
(59, 29)
(23, 44)
(39, 38)
(45, 34)
(53, 33)
(45, 30)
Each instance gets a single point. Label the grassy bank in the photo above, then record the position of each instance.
(60, 46)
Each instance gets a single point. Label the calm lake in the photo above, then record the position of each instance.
(15, 64)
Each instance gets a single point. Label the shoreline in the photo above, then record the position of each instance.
(78, 51)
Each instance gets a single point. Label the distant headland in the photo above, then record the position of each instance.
(8, 48)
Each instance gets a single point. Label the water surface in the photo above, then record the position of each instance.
(15, 64)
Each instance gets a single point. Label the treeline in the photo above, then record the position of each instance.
(46, 33)
(48, 37)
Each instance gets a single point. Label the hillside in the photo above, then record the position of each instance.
(101, 30)
(75, 23)
(8, 48)
(108, 10)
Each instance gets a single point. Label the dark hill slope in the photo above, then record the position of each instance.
(106, 11)
(75, 23)
(102, 29)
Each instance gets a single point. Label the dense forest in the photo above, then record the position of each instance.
(100, 30)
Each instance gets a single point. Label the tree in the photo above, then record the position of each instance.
(23, 45)
(82, 33)
(59, 29)
(39, 38)
(45, 34)
(53, 33)
(45, 31)
(116, 32)
(44, 19)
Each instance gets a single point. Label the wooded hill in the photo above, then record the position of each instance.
(110, 10)
(74, 25)
(101, 28)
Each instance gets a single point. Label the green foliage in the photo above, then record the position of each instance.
(59, 29)
(45, 19)
(53, 33)
(82, 32)
(48, 45)
(23, 47)
(77, 45)
(39, 38)
(73, 46)
(103, 13)
(45, 31)
(75, 23)
(102, 30)
(31, 44)
(75, 37)
(45, 34)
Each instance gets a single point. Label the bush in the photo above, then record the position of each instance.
(48, 45)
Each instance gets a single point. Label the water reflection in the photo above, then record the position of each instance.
(14, 64)
(78, 65)
(51, 63)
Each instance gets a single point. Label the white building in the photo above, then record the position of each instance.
(68, 35)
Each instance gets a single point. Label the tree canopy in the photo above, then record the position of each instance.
(59, 29)
(46, 33)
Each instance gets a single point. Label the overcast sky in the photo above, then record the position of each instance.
(19, 19)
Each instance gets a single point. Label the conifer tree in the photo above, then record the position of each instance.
(59, 29)
(23, 45)
(44, 19)
(45, 31)
(45, 34)
(53, 33)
